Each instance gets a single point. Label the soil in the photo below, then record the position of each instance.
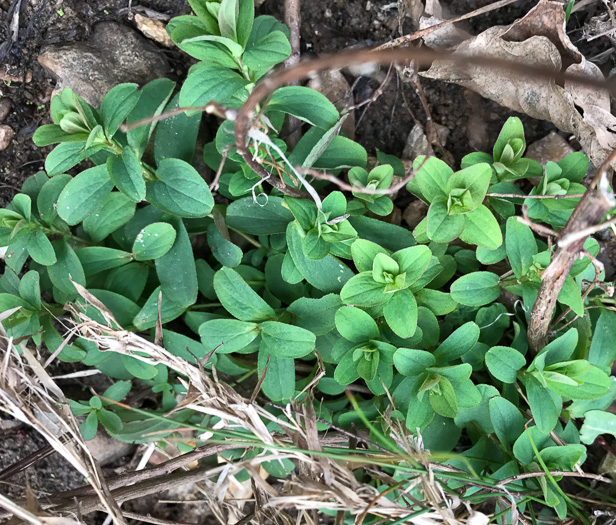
(327, 26)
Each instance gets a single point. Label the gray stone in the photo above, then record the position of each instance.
(417, 142)
(551, 147)
(5, 108)
(115, 54)
(6, 136)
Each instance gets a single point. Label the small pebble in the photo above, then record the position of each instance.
(5, 108)
(6, 136)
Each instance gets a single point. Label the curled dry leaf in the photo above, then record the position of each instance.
(538, 39)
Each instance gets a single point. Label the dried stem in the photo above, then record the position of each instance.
(595, 203)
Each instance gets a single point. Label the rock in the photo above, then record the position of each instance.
(551, 147)
(417, 142)
(335, 87)
(154, 29)
(106, 449)
(5, 108)
(415, 213)
(6, 136)
(115, 54)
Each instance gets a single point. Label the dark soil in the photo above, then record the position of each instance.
(327, 26)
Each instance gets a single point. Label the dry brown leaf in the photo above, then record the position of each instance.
(538, 39)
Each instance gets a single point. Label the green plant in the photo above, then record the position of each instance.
(282, 290)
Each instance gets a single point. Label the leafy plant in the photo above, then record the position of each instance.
(281, 292)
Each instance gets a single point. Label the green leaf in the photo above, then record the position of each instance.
(476, 289)
(66, 155)
(239, 299)
(182, 346)
(481, 228)
(521, 246)
(544, 404)
(123, 309)
(571, 296)
(154, 97)
(305, 104)
(180, 190)
(507, 420)
(126, 173)
(279, 383)
(439, 303)
(356, 325)
(83, 194)
(564, 457)
(286, 341)
(154, 241)
(411, 362)
(114, 211)
(128, 280)
(389, 236)
(89, 427)
(30, 289)
(95, 259)
(401, 313)
(503, 362)
(441, 226)
(475, 179)
(316, 315)
(432, 177)
(200, 8)
(176, 136)
(67, 266)
(328, 275)
(117, 105)
(512, 129)
(574, 166)
(443, 400)
(52, 134)
(522, 448)
(364, 252)
(210, 83)
(139, 368)
(363, 290)
(47, 199)
(147, 316)
(267, 52)
(252, 218)
(40, 249)
(602, 351)
(176, 269)
(459, 342)
(118, 391)
(557, 351)
(413, 262)
(227, 335)
(225, 252)
(597, 422)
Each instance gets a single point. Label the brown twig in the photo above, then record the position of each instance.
(292, 19)
(405, 39)
(595, 203)
(518, 196)
(528, 475)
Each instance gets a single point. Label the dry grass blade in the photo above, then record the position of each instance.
(28, 394)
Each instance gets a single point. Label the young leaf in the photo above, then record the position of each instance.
(476, 289)
(267, 52)
(475, 179)
(444, 400)
(441, 226)
(239, 299)
(432, 177)
(363, 290)
(154, 241)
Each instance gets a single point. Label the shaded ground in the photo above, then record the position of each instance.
(327, 26)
